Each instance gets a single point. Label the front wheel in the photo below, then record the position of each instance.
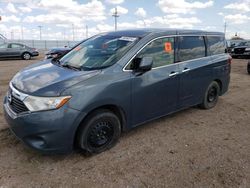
(99, 132)
(211, 96)
(26, 56)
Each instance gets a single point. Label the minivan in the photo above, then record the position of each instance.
(113, 82)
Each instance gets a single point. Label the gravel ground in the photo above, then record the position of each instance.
(191, 148)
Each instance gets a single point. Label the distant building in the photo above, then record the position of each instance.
(236, 37)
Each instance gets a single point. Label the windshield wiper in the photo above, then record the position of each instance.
(71, 67)
(57, 61)
(94, 68)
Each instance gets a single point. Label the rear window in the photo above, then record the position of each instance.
(216, 44)
(191, 47)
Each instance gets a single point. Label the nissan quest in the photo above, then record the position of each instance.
(113, 82)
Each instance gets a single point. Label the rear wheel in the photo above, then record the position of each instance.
(26, 56)
(211, 96)
(99, 132)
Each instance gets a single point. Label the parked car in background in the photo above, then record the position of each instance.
(114, 82)
(232, 43)
(57, 52)
(8, 50)
(248, 67)
(241, 50)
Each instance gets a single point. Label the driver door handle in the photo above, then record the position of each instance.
(173, 74)
(186, 69)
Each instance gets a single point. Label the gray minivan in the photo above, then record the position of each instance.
(113, 82)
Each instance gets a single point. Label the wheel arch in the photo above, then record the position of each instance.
(117, 110)
(26, 52)
(220, 84)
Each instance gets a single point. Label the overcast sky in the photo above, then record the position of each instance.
(59, 18)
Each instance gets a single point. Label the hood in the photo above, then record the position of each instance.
(237, 47)
(48, 79)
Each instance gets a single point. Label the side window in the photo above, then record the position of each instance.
(15, 46)
(191, 47)
(4, 46)
(161, 50)
(216, 44)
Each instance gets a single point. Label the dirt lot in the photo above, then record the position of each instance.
(192, 148)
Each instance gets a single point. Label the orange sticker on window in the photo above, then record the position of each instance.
(168, 47)
(77, 48)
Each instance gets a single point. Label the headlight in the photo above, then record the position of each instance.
(45, 103)
(247, 49)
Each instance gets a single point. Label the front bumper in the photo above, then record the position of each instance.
(35, 53)
(47, 131)
(240, 54)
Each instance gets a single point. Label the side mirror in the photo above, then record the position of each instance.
(145, 64)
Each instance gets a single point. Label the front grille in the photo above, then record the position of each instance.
(16, 104)
(239, 50)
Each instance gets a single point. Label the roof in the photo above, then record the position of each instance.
(145, 31)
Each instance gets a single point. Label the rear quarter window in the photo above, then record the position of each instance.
(216, 44)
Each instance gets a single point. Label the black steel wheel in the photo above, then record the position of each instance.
(99, 132)
(211, 96)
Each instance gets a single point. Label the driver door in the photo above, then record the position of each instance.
(4, 50)
(155, 92)
(15, 49)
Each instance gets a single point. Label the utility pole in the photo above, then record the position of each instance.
(40, 30)
(115, 15)
(225, 28)
(12, 35)
(73, 32)
(87, 31)
(64, 34)
(22, 32)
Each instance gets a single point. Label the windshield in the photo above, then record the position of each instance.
(241, 44)
(98, 52)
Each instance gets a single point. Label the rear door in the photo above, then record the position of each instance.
(155, 93)
(194, 69)
(15, 49)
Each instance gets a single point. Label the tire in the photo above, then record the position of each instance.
(211, 96)
(26, 56)
(99, 132)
